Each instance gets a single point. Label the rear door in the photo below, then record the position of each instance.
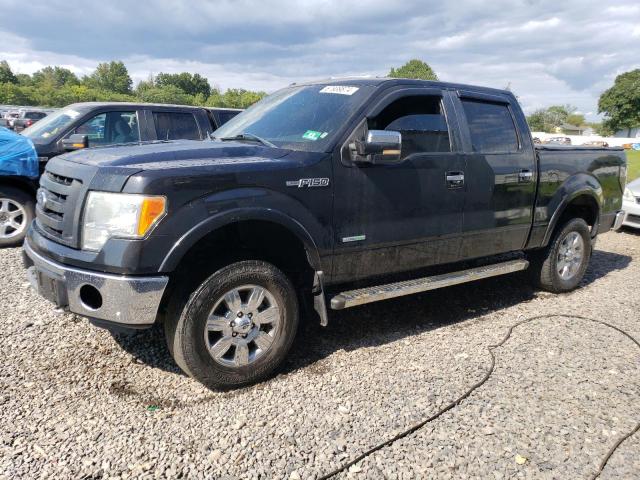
(500, 175)
(393, 218)
(175, 125)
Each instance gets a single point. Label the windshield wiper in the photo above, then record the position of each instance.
(250, 137)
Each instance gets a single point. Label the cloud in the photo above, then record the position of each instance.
(548, 52)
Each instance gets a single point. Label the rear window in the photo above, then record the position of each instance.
(491, 127)
(176, 126)
(226, 116)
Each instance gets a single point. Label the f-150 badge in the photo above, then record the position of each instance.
(308, 182)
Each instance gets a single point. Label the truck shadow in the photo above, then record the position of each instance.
(384, 322)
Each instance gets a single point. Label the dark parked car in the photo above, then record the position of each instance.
(327, 194)
(25, 119)
(83, 125)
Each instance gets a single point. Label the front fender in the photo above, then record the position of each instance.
(232, 206)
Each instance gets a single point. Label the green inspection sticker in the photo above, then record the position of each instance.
(313, 135)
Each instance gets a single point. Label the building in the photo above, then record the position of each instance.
(628, 132)
(569, 129)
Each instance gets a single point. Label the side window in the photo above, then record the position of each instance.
(110, 128)
(176, 126)
(94, 129)
(491, 127)
(421, 121)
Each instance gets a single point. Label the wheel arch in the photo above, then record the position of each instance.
(238, 218)
(583, 202)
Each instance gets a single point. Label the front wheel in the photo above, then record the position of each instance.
(237, 327)
(561, 266)
(16, 213)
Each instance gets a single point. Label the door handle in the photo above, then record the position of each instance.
(455, 179)
(525, 175)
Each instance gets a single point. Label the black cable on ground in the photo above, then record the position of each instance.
(477, 385)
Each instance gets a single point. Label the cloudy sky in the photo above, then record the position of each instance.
(549, 52)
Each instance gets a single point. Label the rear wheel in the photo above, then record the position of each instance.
(562, 265)
(16, 213)
(237, 327)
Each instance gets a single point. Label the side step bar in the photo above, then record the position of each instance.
(361, 296)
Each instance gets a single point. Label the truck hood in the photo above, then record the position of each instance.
(175, 154)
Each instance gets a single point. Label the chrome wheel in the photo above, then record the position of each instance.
(13, 218)
(570, 255)
(242, 326)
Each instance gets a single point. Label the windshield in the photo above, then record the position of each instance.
(51, 125)
(300, 118)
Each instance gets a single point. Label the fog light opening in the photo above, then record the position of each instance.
(90, 297)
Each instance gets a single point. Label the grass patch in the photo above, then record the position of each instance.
(633, 164)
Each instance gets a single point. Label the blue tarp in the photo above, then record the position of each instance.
(17, 155)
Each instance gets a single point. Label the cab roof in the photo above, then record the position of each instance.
(390, 82)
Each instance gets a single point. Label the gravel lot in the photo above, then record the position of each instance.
(76, 401)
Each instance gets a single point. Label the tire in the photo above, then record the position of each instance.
(224, 341)
(17, 210)
(557, 269)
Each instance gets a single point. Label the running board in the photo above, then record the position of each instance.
(361, 296)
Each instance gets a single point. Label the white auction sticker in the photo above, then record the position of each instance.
(339, 89)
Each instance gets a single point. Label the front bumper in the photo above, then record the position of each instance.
(631, 214)
(120, 299)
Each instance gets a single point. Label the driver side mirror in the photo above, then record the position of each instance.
(76, 141)
(380, 147)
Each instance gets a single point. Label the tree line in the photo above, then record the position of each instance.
(58, 86)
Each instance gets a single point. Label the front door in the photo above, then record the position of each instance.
(500, 176)
(392, 218)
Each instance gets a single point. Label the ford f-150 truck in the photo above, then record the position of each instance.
(95, 124)
(330, 194)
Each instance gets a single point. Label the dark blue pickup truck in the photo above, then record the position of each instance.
(329, 194)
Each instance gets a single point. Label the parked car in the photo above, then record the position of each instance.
(84, 125)
(558, 141)
(8, 117)
(333, 194)
(596, 143)
(25, 119)
(631, 204)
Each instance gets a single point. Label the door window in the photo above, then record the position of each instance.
(176, 126)
(110, 128)
(491, 127)
(421, 121)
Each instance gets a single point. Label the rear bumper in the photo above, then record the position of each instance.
(130, 301)
(617, 223)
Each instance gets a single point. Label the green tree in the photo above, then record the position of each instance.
(55, 77)
(557, 115)
(621, 102)
(24, 79)
(13, 94)
(112, 77)
(414, 69)
(238, 98)
(537, 121)
(143, 85)
(189, 83)
(576, 119)
(166, 94)
(6, 75)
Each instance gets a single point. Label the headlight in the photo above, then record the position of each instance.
(628, 195)
(120, 215)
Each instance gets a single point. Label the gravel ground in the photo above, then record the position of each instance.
(78, 402)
